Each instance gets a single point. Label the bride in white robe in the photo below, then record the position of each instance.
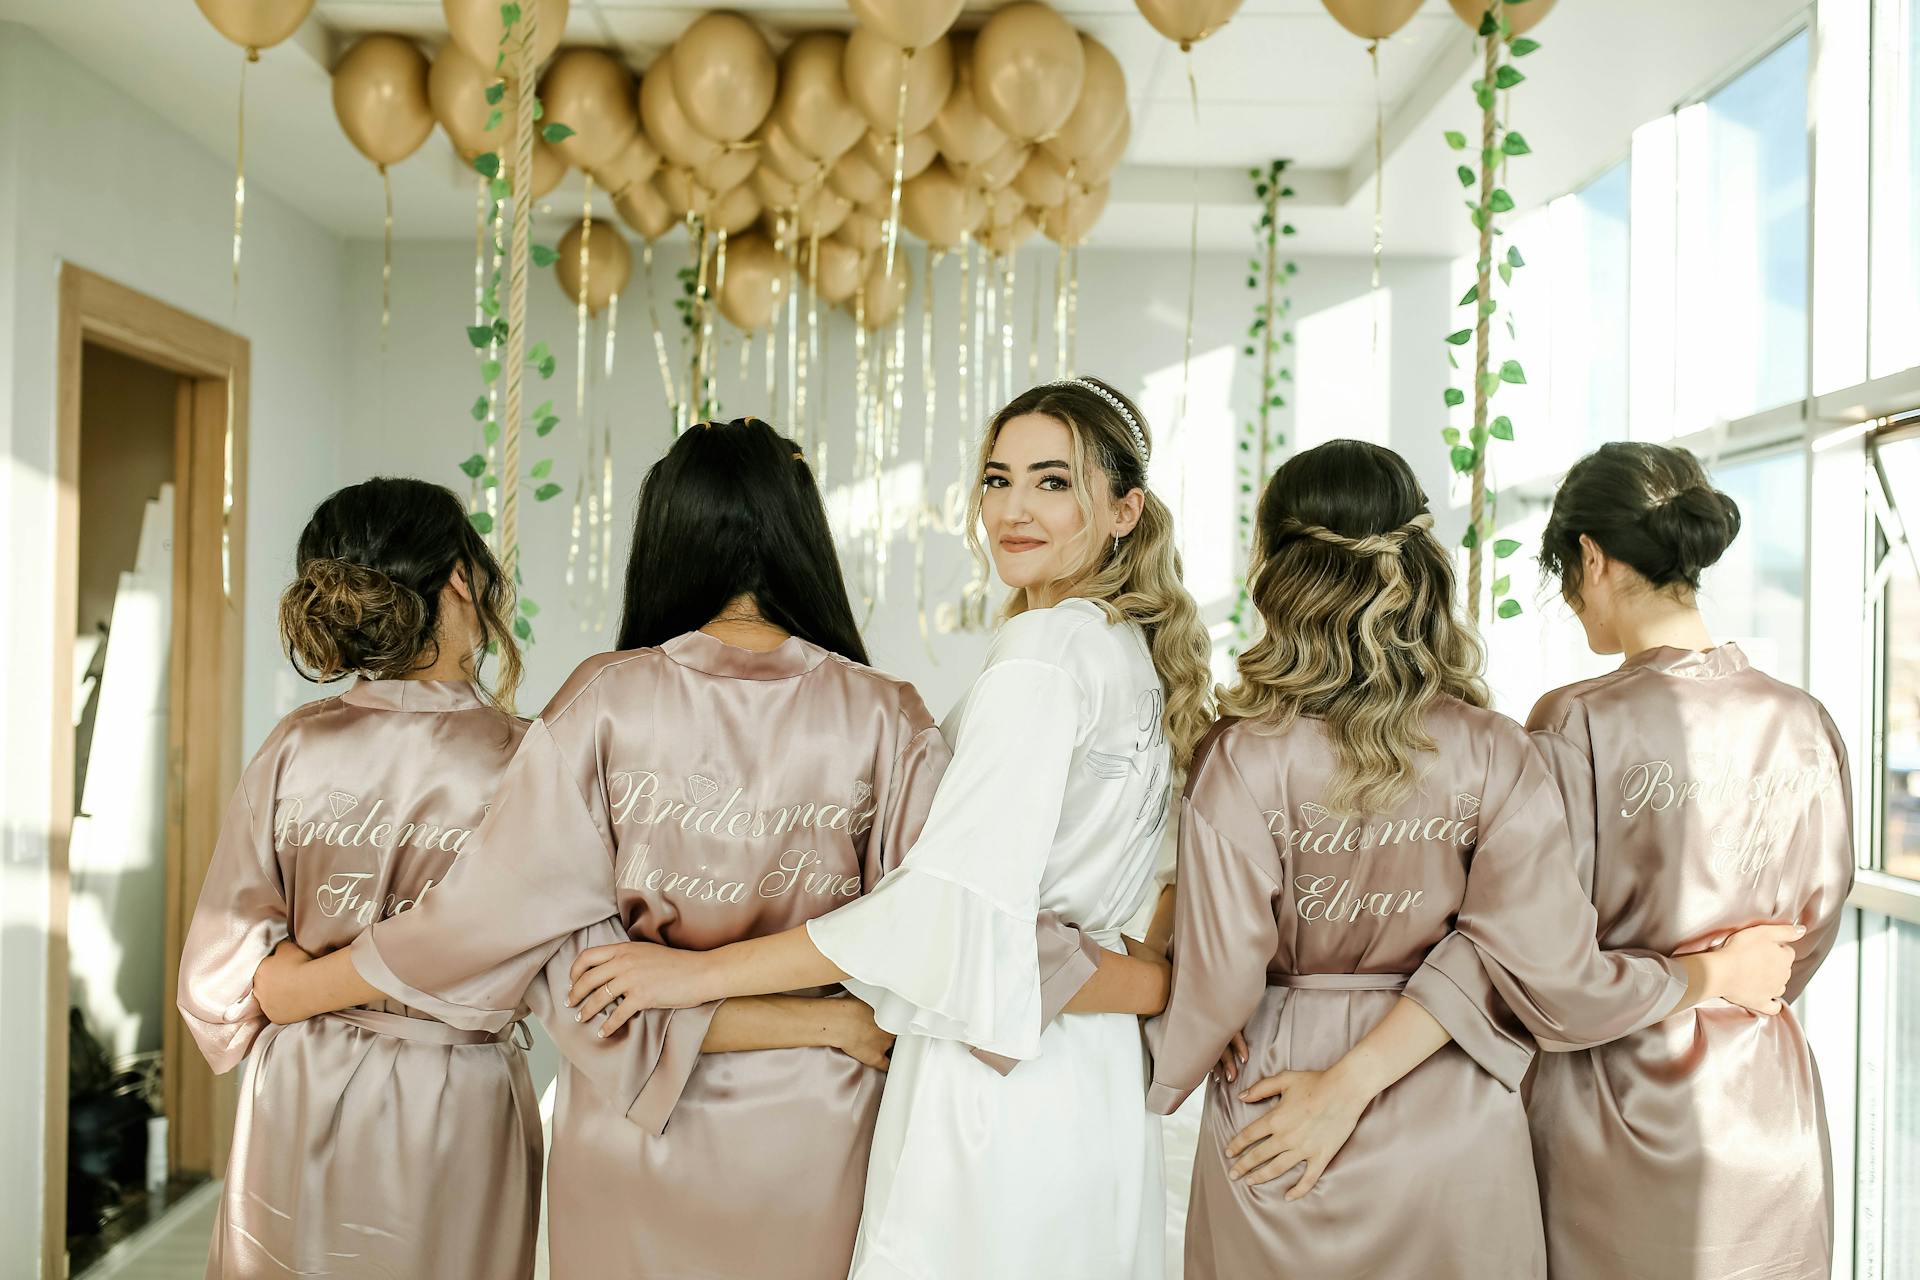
(1056, 801)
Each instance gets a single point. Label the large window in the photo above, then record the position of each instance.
(1894, 338)
(1897, 474)
(1741, 243)
(1756, 595)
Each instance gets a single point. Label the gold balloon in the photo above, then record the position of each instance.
(1522, 17)
(754, 270)
(962, 130)
(666, 124)
(857, 180)
(919, 154)
(1069, 222)
(1103, 101)
(609, 263)
(838, 272)
(938, 208)
(643, 208)
(823, 213)
(380, 97)
(735, 211)
(1187, 22)
(1042, 183)
(724, 76)
(863, 230)
(886, 294)
(635, 162)
(1004, 207)
(775, 192)
(813, 108)
(1006, 237)
(872, 69)
(677, 187)
(727, 170)
(999, 170)
(256, 24)
(907, 24)
(591, 92)
(781, 154)
(1099, 166)
(457, 93)
(1028, 67)
(476, 27)
(1372, 19)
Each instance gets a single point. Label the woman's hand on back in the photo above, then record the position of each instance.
(1755, 965)
(274, 983)
(625, 978)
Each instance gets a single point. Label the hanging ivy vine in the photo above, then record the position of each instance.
(1270, 337)
(1468, 450)
(487, 338)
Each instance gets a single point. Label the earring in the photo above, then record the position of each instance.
(1116, 544)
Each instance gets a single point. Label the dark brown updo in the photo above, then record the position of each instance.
(1648, 506)
(370, 567)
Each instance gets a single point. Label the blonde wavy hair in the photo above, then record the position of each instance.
(1140, 582)
(1361, 631)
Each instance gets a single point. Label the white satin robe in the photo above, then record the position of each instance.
(1055, 801)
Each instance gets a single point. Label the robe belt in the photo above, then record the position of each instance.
(1339, 981)
(429, 1031)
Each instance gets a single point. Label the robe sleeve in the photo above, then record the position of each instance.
(241, 917)
(945, 944)
(1225, 931)
(1827, 836)
(1534, 926)
(1453, 985)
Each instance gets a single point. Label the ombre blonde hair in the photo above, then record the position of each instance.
(1357, 597)
(1140, 581)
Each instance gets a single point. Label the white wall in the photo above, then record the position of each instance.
(89, 176)
(409, 415)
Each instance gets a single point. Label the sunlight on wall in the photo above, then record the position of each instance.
(1193, 467)
(1343, 384)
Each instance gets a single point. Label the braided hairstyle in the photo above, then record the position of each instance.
(370, 566)
(1648, 506)
(1360, 630)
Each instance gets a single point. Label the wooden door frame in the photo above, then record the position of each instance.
(210, 468)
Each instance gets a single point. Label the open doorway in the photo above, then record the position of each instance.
(145, 742)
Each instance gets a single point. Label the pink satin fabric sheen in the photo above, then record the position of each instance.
(375, 1142)
(1704, 797)
(1304, 926)
(693, 795)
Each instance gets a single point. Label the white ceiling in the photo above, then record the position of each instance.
(1282, 79)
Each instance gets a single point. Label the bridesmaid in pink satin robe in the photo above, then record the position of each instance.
(1703, 796)
(377, 1141)
(1353, 835)
(734, 770)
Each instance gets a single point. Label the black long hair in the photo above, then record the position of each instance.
(1649, 506)
(369, 569)
(733, 510)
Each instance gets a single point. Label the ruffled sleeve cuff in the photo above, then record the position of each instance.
(1068, 960)
(937, 958)
(686, 1031)
(373, 967)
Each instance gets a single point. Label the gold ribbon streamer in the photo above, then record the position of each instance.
(386, 263)
(1193, 254)
(1060, 316)
(808, 351)
(583, 481)
(240, 173)
(606, 474)
(1379, 188)
(1006, 333)
(660, 339)
(930, 263)
(1033, 337)
(899, 162)
(479, 302)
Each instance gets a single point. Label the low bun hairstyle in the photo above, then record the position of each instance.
(369, 569)
(1356, 595)
(1648, 506)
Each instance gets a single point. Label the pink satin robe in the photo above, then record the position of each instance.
(693, 795)
(1704, 797)
(375, 1142)
(1303, 927)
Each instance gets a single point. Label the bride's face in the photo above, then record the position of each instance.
(1034, 523)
